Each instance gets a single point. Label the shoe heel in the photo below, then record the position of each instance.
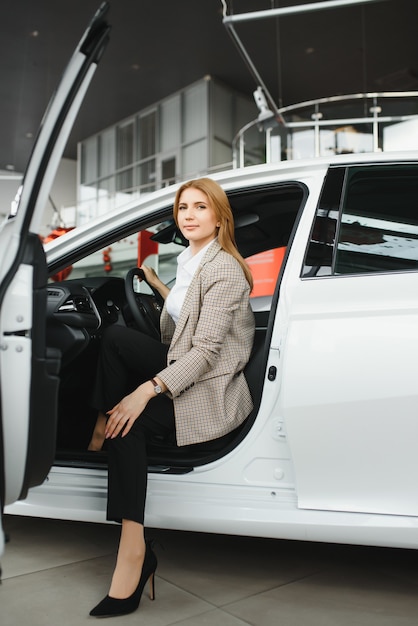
(152, 586)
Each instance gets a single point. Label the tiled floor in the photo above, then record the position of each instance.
(54, 572)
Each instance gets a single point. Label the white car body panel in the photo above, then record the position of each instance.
(15, 362)
(351, 317)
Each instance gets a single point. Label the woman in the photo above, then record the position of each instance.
(193, 387)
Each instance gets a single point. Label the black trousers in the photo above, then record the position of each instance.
(127, 359)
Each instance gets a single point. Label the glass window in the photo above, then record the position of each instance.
(105, 195)
(319, 255)
(195, 158)
(221, 153)
(195, 113)
(379, 222)
(147, 128)
(87, 201)
(125, 142)
(366, 221)
(170, 124)
(146, 176)
(89, 160)
(124, 181)
(116, 259)
(222, 113)
(107, 152)
(168, 171)
(124, 156)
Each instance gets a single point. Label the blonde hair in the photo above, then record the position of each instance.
(223, 212)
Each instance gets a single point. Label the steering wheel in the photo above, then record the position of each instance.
(146, 309)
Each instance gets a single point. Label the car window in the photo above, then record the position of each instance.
(131, 251)
(366, 222)
(264, 225)
(379, 222)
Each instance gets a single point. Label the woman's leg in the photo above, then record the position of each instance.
(128, 463)
(131, 554)
(127, 485)
(98, 436)
(127, 358)
(128, 469)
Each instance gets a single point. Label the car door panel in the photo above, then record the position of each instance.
(350, 396)
(28, 369)
(351, 412)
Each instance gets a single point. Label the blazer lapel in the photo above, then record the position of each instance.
(191, 292)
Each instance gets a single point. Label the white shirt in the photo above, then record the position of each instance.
(186, 269)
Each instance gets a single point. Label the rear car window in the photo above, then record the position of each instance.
(367, 222)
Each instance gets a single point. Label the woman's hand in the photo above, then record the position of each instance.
(151, 275)
(152, 278)
(126, 412)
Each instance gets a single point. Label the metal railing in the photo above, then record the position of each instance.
(364, 122)
(370, 122)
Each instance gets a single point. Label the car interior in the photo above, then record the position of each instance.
(80, 308)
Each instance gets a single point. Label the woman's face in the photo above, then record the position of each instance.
(196, 218)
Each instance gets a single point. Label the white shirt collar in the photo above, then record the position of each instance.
(186, 268)
(190, 263)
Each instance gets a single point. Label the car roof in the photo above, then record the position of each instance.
(155, 204)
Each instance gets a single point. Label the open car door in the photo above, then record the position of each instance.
(28, 370)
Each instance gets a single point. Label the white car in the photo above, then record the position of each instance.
(329, 451)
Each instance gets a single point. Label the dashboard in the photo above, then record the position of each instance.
(79, 310)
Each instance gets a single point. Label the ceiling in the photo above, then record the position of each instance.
(159, 47)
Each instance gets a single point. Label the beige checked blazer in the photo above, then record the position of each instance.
(209, 348)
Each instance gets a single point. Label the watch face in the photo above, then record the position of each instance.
(157, 387)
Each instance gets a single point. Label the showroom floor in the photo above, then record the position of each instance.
(54, 572)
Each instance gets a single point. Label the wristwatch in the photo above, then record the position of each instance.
(157, 387)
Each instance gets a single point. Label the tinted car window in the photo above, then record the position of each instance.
(378, 229)
(366, 222)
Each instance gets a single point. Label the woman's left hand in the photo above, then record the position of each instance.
(126, 412)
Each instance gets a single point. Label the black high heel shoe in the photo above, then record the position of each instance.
(111, 607)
